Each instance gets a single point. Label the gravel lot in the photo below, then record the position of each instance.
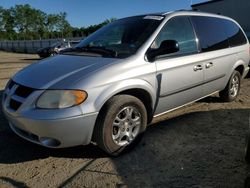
(201, 145)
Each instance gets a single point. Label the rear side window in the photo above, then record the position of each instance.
(179, 29)
(217, 33)
(236, 36)
(212, 33)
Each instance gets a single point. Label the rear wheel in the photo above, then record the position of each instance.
(232, 89)
(120, 124)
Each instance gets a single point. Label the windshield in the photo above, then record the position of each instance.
(55, 44)
(121, 38)
(60, 44)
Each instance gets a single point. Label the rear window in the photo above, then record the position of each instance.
(216, 33)
(235, 35)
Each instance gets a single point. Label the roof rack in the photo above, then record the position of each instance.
(206, 2)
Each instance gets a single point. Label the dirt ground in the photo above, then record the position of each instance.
(201, 145)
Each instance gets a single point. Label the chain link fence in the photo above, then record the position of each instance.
(29, 46)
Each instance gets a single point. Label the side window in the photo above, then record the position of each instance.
(235, 34)
(181, 30)
(211, 33)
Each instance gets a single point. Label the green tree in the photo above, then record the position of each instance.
(23, 17)
(25, 22)
(63, 25)
(7, 23)
(39, 24)
(1, 19)
(51, 21)
(29, 22)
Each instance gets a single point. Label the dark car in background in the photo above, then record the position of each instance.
(55, 48)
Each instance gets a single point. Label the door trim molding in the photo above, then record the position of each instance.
(162, 113)
(192, 86)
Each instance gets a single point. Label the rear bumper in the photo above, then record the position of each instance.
(56, 133)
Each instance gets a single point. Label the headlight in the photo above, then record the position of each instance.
(61, 98)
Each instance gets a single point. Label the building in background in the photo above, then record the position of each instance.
(238, 10)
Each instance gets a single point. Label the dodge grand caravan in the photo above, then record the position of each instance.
(110, 86)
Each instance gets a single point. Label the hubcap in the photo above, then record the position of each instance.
(234, 86)
(126, 126)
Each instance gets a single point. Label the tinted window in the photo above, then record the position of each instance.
(235, 34)
(211, 33)
(181, 30)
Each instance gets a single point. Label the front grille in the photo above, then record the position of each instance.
(14, 104)
(11, 83)
(23, 91)
(19, 95)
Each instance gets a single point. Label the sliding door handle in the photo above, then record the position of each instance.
(208, 65)
(197, 67)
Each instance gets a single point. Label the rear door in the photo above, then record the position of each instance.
(216, 54)
(180, 74)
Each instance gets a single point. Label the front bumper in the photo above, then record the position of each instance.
(55, 128)
(56, 133)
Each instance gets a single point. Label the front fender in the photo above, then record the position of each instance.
(123, 86)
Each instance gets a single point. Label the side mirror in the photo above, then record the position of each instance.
(166, 47)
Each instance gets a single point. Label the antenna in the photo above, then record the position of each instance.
(191, 2)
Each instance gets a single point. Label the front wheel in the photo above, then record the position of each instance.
(120, 124)
(232, 89)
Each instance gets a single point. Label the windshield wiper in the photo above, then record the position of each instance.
(98, 49)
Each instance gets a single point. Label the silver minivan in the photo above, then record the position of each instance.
(110, 86)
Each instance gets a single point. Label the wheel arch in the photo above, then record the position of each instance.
(240, 69)
(135, 87)
(239, 66)
(144, 96)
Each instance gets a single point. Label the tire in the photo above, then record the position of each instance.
(120, 124)
(247, 147)
(53, 53)
(232, 89)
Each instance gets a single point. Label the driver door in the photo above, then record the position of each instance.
(180, 75)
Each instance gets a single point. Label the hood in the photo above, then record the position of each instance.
(60, 72)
